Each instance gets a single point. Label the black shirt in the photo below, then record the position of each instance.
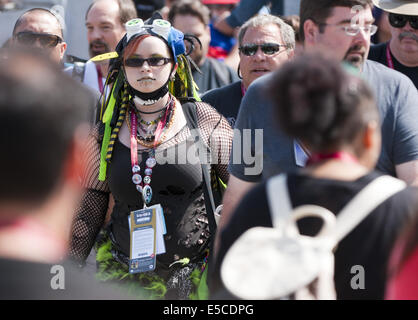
(368, 245)
(215, 74)
(378, 53)
(226, 100)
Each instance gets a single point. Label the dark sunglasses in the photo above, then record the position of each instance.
(153, 62)
(45, 39)
(266, 48)
(399, 20)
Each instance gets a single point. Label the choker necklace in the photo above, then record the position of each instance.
(144, 112)
(148, 102)
(166, 120)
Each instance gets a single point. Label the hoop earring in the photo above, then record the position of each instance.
(239, 71)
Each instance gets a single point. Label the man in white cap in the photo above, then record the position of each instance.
(401, 52)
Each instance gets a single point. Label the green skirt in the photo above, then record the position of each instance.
(186, 280)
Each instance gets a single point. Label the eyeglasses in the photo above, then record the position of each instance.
(354, 29)
(153, 62)
(267, 48)
(46, 40)
(400, 20)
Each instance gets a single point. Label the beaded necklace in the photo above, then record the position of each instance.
(143, 184)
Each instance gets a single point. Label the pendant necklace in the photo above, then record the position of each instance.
(143, 184)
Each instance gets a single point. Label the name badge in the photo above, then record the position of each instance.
(147, 227)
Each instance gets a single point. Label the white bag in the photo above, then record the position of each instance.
(274, 263)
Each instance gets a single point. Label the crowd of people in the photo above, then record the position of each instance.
(195, 134)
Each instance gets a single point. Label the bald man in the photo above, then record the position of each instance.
(40, 28)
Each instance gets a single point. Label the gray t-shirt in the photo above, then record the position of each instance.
(397, 100)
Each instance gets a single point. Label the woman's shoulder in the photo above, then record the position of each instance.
(203, 115)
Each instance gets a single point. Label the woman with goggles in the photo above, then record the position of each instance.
(145, 153)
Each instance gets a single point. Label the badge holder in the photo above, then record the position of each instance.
(147, 228)
(142, 256)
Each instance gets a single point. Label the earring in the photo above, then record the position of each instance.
(239, 72)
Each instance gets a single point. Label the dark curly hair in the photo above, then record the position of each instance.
(320, 103)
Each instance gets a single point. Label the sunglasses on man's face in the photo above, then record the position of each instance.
(153, 61)
(400, 20)
(267, 48)
(46, 40)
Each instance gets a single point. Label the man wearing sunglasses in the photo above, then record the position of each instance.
(40, 28)
(265, 43)
(401, 52)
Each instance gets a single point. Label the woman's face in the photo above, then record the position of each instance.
(152, 74)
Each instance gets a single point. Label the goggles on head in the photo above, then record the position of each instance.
(160, 28)
(154, 26)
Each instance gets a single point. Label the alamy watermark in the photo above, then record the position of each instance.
(358, 281)
(58, 280)
(247, 150)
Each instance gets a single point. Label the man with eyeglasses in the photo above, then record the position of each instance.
(265, 43)
(401, 52)
(339, 29)
(41, 29)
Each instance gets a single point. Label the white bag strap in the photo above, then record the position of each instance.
(368, 199)
(279, 200)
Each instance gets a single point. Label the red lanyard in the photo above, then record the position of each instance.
(143, 184)
(389, 57)
(99, 78)
(134, 143)
(243, 90)
(341, 155)
(158, 132)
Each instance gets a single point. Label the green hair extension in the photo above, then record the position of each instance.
(185, 86)
(109, 135)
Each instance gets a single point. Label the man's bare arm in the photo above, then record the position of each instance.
(408, 172)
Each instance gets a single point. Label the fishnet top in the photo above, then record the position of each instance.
(215, 133)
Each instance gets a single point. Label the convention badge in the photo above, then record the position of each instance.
(143, 231)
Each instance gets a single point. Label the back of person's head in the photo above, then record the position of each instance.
(189, 7)
(127, 10)
(145, 8)
(320, 10)
(40, 111)
(320, 103)
(287, 33)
